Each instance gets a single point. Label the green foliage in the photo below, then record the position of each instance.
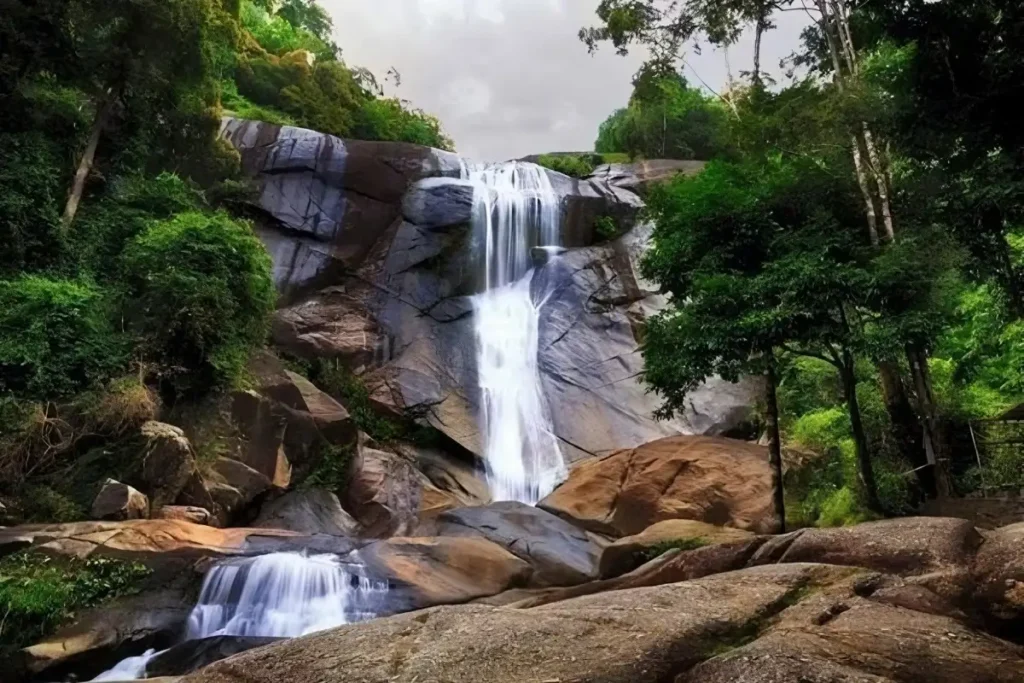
(572, 165)
(277, 35)
(389, 119)
(45, 505)
(341, 383)
(842, 508)
(33, 172)
(55, 337)
(606, 228)
(201, 295)
(332, 470)
(39, 593)
(239, 106)
(666, 120)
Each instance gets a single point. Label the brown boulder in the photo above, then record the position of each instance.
(710, 479)
(423, 572)
(118, 502)
(386, 492)
(912, 546)
(233, 485)
(168, 463)
(628, 553)
(647, 634)
(998, 574)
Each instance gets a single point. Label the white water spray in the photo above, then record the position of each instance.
(515, 210)
(281, 595)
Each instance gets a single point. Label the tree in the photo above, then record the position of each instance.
(759, 259)
(131, 50)
(666, 119)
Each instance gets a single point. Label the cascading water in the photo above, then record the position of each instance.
(515, 210)
(282, 595)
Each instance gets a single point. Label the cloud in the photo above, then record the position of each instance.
(509, 77)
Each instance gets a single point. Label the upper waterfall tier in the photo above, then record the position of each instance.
(515, 210)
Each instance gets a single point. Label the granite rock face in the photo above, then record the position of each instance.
(375, 257)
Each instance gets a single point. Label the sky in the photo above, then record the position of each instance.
(510, 78)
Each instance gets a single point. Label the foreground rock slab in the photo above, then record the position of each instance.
(709, 479)
(647, 634)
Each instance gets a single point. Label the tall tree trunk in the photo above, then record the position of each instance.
(775, 443)
(881, 175)
(99, 123)
(867, 473)
(906, 429)
(865, 190)
(758, 35)
(934, 443)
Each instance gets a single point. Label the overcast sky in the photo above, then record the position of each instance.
(509, 77)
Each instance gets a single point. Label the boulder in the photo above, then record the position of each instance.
(184, 513)
(386, 491)
(911, 546)
(234, 485)
(193, 655)
(168, 463)
(645, 634)
(719, 481)
(310, 511)
(560, 553)
(423, 572)
(627, 553)
(998, 573)
(118, 502)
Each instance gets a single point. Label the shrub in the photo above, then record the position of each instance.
(572, 165)
(842, 508)
(606, 228)
(332, 469)
(200, 293)
(39, 593)
(55, 337)
(32, 173)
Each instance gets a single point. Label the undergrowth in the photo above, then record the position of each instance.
(38, 593)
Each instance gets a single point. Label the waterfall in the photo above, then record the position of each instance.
(282, 595)
(515, 210)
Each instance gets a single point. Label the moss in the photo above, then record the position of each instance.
(659, 549)
(38, 593)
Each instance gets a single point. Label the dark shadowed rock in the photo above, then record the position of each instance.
(439, 202)
(309, 511)
(719, 481)
(117, 502)
(193, 655)
(560, 553)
